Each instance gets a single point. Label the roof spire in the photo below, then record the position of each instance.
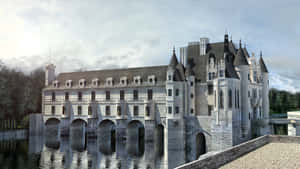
(230, 38)
(240, 43)
(260, 53)
(174, 50)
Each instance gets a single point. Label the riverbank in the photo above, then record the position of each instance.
(13, 134)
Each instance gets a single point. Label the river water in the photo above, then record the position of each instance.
(65, 153)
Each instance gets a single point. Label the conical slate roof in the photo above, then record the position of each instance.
(240, 58)
(174, 61)
(262, 64)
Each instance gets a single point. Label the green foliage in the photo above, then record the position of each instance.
(20, 93)
(283, 101)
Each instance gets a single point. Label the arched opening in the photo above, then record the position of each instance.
(78, 134)
(159, 139)
(200, 144)
(52, 127)
(106, 135)
(135, 138)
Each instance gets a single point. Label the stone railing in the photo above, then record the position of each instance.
(217, 159)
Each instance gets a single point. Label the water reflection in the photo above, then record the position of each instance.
(64, 153)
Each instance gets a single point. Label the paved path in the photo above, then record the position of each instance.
(270, 156)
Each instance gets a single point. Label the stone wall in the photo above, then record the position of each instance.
(217, 159)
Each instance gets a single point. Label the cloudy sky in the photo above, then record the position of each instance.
(96, 34)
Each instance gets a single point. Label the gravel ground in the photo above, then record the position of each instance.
(270, 156)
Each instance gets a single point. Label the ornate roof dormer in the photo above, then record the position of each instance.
(262, 64)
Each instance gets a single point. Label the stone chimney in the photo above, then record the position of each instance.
(203, 45)
(49, 74)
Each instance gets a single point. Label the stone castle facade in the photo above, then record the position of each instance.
(207, 100)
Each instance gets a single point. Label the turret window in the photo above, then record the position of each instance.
(192, 95)
(230, 98)
(192, 83)
(221, 99)
(192, 111)
(169, 77)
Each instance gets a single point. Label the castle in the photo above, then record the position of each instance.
(208, 100)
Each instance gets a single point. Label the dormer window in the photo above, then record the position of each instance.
(137, 80)
(151, 79)
(109, 81)
(82, 83)
(95, 82)
(123, 80)
(56, 84)
(69, 83)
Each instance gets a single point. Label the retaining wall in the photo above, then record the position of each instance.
(216, 159)
(13, 134)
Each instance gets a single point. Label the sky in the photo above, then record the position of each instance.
(97, 34)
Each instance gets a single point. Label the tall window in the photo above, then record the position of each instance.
(230, 98)
(221, 99)
(210, 109)
(53, 96)
(63, 110)
(147, 111)
(215, 99)
(90, 110)
(135, 95)
(150, 94)
(107, 95)
(192, 111)
(93, 96)
(53, 110)
(79, 96)
(119, 110)
(136, 110)
(221, 73)
(122, 95)
(210, 89)
(176, 109)
(170, 110)
(235, 98)
(67, 96)
(169, 92)
(107, 110)
(177, 92)
(209, 76)
(238, 98)
(79, 110)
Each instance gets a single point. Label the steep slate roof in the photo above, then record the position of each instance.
(217, 49)
(174, 61)
(158, 71)
(240, 58)
(262, 64)
(246, 52)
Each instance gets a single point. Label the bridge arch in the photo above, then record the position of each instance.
(135, 138)
(159, 139)
(78, 134)
(52, 127)
(106, 135)
(200, 144)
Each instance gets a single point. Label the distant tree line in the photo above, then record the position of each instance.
(283, 101)
(20, 93)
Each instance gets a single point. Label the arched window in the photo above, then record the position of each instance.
(230, 98)
(221, 99)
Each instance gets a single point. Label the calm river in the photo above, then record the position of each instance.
(50, 153)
